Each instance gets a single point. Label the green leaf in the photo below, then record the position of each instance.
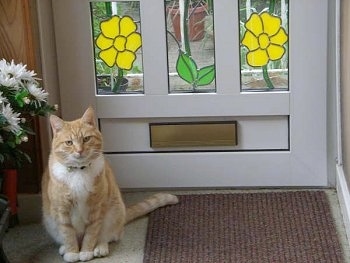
(3, 121)
(19, 100)
(186, 68)
(206, 75)
(11, 144)
(20, 96)
(27, 157)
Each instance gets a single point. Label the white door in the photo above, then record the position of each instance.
(281, 130)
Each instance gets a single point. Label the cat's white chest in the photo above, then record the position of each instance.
(81, 184)
(78, 180)
(80, 214)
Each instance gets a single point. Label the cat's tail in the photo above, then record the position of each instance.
(148, 205)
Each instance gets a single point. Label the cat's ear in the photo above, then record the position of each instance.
(56, 123)
(89, 117)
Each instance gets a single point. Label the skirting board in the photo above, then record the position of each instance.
(344, 198)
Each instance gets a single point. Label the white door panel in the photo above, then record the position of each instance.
(193, 105)
(247, 169)
(281, 134)
(254, 133)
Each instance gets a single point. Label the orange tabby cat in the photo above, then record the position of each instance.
(83, 209)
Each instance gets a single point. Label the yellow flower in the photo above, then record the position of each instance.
(264, 39)
(118, 42)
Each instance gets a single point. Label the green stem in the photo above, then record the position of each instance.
(185, 24)
(264, 68)
(267, 78)
(272, 6)
(116, 86)
(108, 9)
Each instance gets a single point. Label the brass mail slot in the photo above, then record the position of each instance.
(193, 134)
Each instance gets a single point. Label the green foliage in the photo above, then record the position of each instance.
(188, 71)
(21, 100)
(206, 75)
(186, 67)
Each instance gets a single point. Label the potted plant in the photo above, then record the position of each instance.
(190, 12)
(21, 99)
(186, 66)
(106, 84)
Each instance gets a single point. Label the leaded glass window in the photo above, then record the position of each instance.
(189, 25)
(118, 47)
(190, 40)
(264, 44)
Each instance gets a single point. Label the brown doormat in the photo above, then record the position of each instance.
(273, 227)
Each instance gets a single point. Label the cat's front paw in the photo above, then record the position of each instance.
(86, 255)
(101, 250)
(62, 250)
(71, 257)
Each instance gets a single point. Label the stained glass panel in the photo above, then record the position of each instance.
(190, 40)
(117, 47)
(264, 45)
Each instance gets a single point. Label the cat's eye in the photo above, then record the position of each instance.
(69, 143)
(86, 138)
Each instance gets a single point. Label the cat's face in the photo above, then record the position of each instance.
(78, 142)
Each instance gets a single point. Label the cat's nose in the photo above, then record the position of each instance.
(79, 151)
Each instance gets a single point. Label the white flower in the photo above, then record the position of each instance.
(12, 118)
(17, 71)
(3, 64)
(8, 81)
(20, 94)
(38, 93)
(26, 100)
(2, 99)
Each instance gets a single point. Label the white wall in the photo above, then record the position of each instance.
(345, 85)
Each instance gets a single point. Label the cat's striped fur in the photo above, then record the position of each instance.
(83, 209)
